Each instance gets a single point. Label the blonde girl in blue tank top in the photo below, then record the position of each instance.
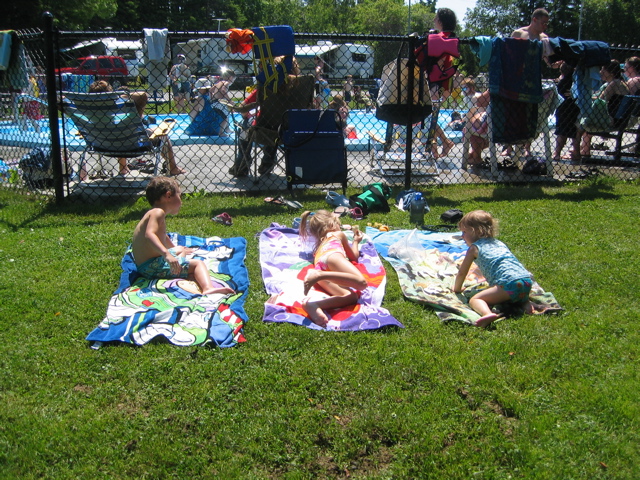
(508, 280)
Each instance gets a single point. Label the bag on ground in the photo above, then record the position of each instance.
(36, 168)
(535, 166)
(372, 199)
(405, 197)
(452, 216)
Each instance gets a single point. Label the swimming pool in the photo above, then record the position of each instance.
(26, 135)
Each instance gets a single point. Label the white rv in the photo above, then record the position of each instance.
(209, 56)
(339, 60)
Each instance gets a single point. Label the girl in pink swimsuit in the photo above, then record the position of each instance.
(333, 271)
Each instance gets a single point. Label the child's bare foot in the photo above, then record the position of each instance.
(310, 280)
(223, 290)
(316, 314)
(487, 319)
(531, 308)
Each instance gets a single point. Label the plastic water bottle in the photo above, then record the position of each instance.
(416, 209)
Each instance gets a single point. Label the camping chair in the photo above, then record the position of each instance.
(629, 107)
(392, 151)
(314, 149)
(390, 158)
(297, 93)
(111, 127)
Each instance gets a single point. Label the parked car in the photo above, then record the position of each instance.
(103, 67)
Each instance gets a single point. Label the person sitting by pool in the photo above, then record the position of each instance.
(361, 98)
(339, 105)
(140, 100)
(221, 100)
(457, 122)
(206, 120)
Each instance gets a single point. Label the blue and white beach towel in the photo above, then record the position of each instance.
(173, 309)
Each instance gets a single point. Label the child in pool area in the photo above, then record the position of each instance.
(508, 280)
(153, 251)
(333, 270)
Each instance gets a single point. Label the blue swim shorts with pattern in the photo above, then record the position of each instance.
(518, 290)
(158, 267)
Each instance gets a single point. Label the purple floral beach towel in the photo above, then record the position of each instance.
(285, 260)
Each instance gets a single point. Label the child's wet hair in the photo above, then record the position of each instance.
(318, 224)
(159, 186)
(481, 223)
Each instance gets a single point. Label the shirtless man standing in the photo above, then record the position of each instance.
(535, 30)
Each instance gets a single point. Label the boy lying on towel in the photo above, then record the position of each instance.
(153, 251)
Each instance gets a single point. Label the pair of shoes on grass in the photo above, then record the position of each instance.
(355, 213)
(224, 218)
(293, 204)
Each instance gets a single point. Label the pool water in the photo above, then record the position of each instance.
(12, 134)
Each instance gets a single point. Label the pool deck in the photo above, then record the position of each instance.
(208, 160)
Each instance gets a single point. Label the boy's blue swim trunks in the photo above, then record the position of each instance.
(158, 267)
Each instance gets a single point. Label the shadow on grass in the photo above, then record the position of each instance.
(22, 216)
(22, 212)
(592, 189)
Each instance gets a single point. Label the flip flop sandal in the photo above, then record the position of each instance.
(293, 204)
(224, 219)
(507, 164)
(341, 211)
(336, 200)
(274, 200)
(356, 213)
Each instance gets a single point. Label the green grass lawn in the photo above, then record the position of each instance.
(552, 397)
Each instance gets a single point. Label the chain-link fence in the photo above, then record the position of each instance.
(183, 105)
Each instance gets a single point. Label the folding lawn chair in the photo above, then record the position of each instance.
(296, 93)
(314, 149)
(628, 108)
(111, 127)
(389, 154)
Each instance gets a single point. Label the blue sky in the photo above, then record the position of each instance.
(458, 6)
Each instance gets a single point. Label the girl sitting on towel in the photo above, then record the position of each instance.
(333, 270)
(508, 280)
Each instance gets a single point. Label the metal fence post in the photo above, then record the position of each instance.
(411, 63)
(56, 157)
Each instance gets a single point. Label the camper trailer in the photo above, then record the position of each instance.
(339, 60)
(208, 56)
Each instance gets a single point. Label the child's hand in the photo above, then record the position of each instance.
(173, 262)
(357, 234)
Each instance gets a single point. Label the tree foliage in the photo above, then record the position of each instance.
(613, 21)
